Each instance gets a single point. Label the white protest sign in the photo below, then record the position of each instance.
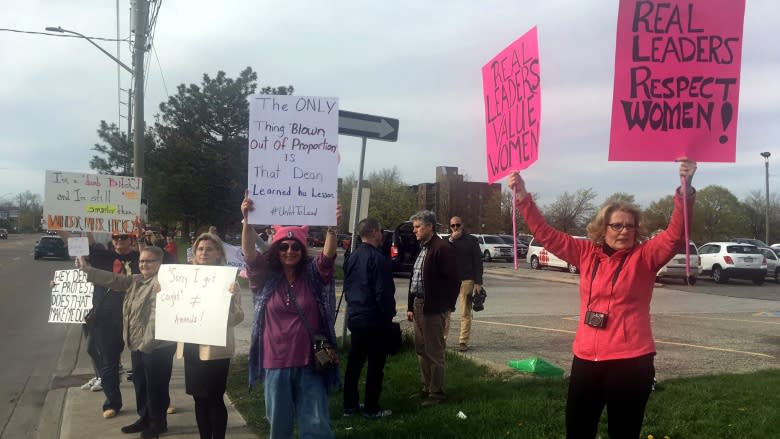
(71, 297)
(79, 202)
(78, 246)
(234, 256)
(293, 159)
(193, 303)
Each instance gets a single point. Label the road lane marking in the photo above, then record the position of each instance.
(709, 348)
(730, 320)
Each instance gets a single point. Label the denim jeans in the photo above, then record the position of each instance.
(110, 344)
(297, 391)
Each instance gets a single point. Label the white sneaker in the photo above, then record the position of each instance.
(98, 386)
(88, 385)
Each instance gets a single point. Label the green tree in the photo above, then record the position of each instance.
(392, 200)
(620, 197)
(755, 208)
(718, 215)
(657, 216)
(570, 213)
(197, 171)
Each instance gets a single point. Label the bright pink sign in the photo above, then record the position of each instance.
(677, 69)
(513, 107)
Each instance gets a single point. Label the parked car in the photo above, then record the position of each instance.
(724, 260)
(525, 238)
(757, 242)
(675, 268)
(3, 234)
(50, 247)
(539, 257)
(402, 247)
(493, 247)
(772, 263)
(522, 248)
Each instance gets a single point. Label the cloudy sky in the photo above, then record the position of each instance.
(417, 61)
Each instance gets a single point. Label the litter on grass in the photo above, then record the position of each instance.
(537, 366)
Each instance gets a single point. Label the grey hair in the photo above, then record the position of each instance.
(367, 226)
(156, 251)
(426, 216)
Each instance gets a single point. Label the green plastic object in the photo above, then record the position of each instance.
(537, 366)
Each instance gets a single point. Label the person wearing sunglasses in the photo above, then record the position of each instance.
(120, 258)
(469, 259)
(206, 367)
(152, 359)
(289, 286)
(613, 347)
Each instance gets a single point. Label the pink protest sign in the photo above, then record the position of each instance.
(677, 69)
(513, 107)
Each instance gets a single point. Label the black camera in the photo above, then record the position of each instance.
(478, 300)
(596, 319)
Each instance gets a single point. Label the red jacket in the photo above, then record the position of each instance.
(628, 333)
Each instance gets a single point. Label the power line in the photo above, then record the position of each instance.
(18, 31)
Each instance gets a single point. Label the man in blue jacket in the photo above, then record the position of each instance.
(370, 293)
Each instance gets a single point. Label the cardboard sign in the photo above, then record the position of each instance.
(91, 202)
(71, 297)
(193, 303)
(513, 107)
(78, 246)
(293, 159)
(234, 256)
(677, 70)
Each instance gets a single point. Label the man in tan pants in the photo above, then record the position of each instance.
(469, 260)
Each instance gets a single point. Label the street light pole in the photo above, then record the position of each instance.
(141, 15)
(141, 18)
(766, 155)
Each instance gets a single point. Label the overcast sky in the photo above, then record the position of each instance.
(417, 61)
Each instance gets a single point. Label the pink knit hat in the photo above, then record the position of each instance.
(291, 232)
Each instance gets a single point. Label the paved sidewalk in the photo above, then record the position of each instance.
(72, 413)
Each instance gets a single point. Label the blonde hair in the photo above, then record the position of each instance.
(598, 227)
(222, 259)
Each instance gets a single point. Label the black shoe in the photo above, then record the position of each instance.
(150, 433)
(136, 427)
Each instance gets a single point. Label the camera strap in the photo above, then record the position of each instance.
(614, 279)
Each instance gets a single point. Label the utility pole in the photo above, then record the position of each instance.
(766, 155)
(141, 15)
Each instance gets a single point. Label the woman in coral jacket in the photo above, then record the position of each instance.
(613, 347)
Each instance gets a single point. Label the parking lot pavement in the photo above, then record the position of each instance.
(707, 330)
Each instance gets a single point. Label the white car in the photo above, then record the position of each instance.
(493, 247)
(724, 260)
(676, 266)
(539, 257)
(772, 263)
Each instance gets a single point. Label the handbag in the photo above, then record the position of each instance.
(325, 355)
(89, 318)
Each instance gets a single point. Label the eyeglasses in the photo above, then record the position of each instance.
(455, 226)
(120, 237)
(620, 226)
(148, 261)
(283, 247)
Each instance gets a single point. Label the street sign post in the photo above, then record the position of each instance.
(368, 126)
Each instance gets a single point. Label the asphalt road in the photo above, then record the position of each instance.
(30, 346)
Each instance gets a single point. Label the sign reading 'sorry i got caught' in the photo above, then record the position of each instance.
(293, 159)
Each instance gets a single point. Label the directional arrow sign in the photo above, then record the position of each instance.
(368, 125)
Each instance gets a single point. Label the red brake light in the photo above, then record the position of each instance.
(393, 251)
(728, 260)
(764, 263)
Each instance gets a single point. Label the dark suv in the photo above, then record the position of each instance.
(400, 245)
(51, 247)
(3, 234)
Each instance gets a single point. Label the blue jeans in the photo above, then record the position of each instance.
(297, 391)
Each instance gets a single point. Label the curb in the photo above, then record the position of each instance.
(50, 423)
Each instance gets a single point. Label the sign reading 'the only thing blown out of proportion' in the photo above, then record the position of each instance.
(79, 202)
(293, 159)
(677, 70)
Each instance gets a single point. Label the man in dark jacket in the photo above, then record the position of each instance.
(433, 290)
(107, 330)
(370, 292)
(469, 259)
